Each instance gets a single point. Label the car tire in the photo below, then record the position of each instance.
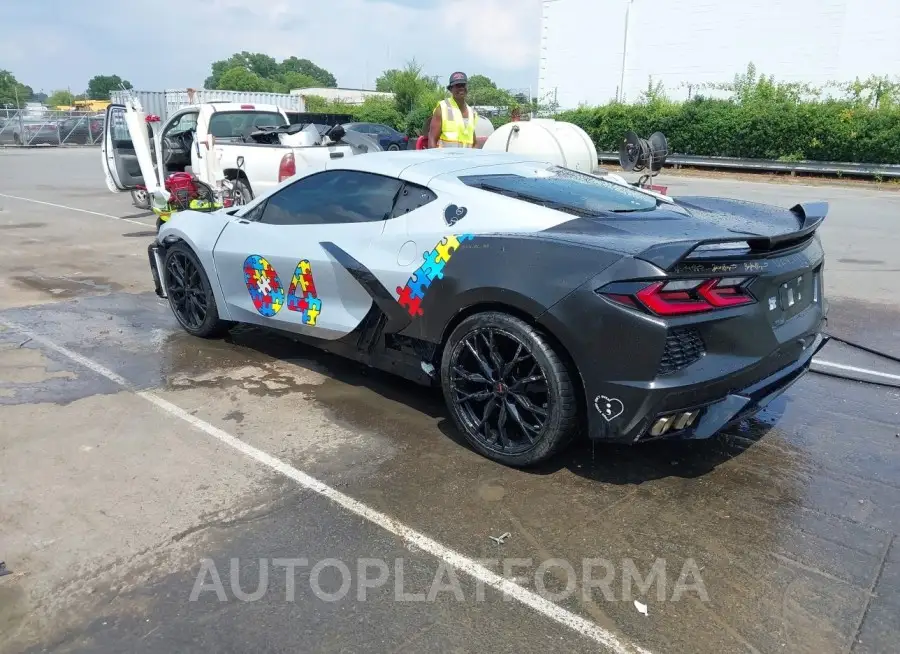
(242, 190)
(210, 326)
(140, 198)
(393, 147)
(514, 339)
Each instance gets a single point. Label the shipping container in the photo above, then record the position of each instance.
(178, 98)
(153, 102)
(165, 103)
(347, 96)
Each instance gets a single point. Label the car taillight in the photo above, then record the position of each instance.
(405, 138)
(247, 106)
(682, 297)
(287, 167)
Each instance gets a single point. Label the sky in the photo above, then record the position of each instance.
(57, 44)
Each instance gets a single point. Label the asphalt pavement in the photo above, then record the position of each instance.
(160, 493)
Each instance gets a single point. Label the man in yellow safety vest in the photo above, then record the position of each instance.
(453, 124)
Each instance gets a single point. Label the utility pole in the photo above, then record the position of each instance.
(621, 94)
(542, 52)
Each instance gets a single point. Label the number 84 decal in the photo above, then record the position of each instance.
(267, 291)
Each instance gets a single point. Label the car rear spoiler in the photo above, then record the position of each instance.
(810, 214)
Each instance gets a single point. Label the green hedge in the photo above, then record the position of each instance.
(819, 131)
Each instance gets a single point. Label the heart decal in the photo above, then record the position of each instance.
(609, 407)
(453, 214)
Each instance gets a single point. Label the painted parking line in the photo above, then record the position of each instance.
(63, 206)
(460, 562)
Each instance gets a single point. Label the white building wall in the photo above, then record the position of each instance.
(699, 41)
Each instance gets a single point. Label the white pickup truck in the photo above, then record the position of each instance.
(210, 140)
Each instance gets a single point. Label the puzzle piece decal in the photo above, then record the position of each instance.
(432, 268)
(302, 294)
(409, 303)
(266, 290)
(418, 283)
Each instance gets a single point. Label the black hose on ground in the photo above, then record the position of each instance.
(864, 348)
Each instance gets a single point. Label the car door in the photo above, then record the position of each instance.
(274, 270)
(120, 161)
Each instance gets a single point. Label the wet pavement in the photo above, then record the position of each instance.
(777, 536)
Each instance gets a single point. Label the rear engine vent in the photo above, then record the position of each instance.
(683, 347)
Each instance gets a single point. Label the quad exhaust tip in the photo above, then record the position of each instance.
(673, 422)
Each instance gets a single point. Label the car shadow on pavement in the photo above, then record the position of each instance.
(619, 464)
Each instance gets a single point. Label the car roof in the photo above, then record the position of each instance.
(421, 166)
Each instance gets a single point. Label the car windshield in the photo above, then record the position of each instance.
(566, 190)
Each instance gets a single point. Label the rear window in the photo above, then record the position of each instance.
(565, 190)
(234, 124)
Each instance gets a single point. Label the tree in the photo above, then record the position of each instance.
(61, 98)
(278, 77)
(100, 86)
(483, 92)
(386, 81)
(12, 91)
(241, 79)
(379, 110)
(292, 80)
(410, 86)
(308, 68)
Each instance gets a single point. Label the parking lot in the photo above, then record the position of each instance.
(139, 466)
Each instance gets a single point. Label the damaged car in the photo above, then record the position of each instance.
(545, 303)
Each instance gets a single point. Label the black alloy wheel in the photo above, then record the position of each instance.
(507, 390)
(190, 294)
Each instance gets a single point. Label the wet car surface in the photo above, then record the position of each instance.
(776, 536)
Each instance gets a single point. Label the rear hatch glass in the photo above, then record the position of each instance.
(565, 190)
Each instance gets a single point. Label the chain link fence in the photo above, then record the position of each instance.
(51, 128)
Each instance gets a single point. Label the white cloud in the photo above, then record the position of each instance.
(494, 30)
(354, 39)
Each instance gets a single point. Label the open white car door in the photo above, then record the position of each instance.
(126, 151)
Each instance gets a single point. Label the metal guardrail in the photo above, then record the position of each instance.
(774, 166)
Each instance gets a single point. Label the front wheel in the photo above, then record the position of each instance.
(508, 390)
(190, 293)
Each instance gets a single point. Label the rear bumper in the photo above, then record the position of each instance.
(716, 403)
(747, 402)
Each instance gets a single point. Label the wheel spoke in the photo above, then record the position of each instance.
(528, 405)
(494, 353)
(485, 368)
(516, 359)
(475, 377)
(501, 426)
(516, 386)
(477, 396)
(527, 430)
(488, 410)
